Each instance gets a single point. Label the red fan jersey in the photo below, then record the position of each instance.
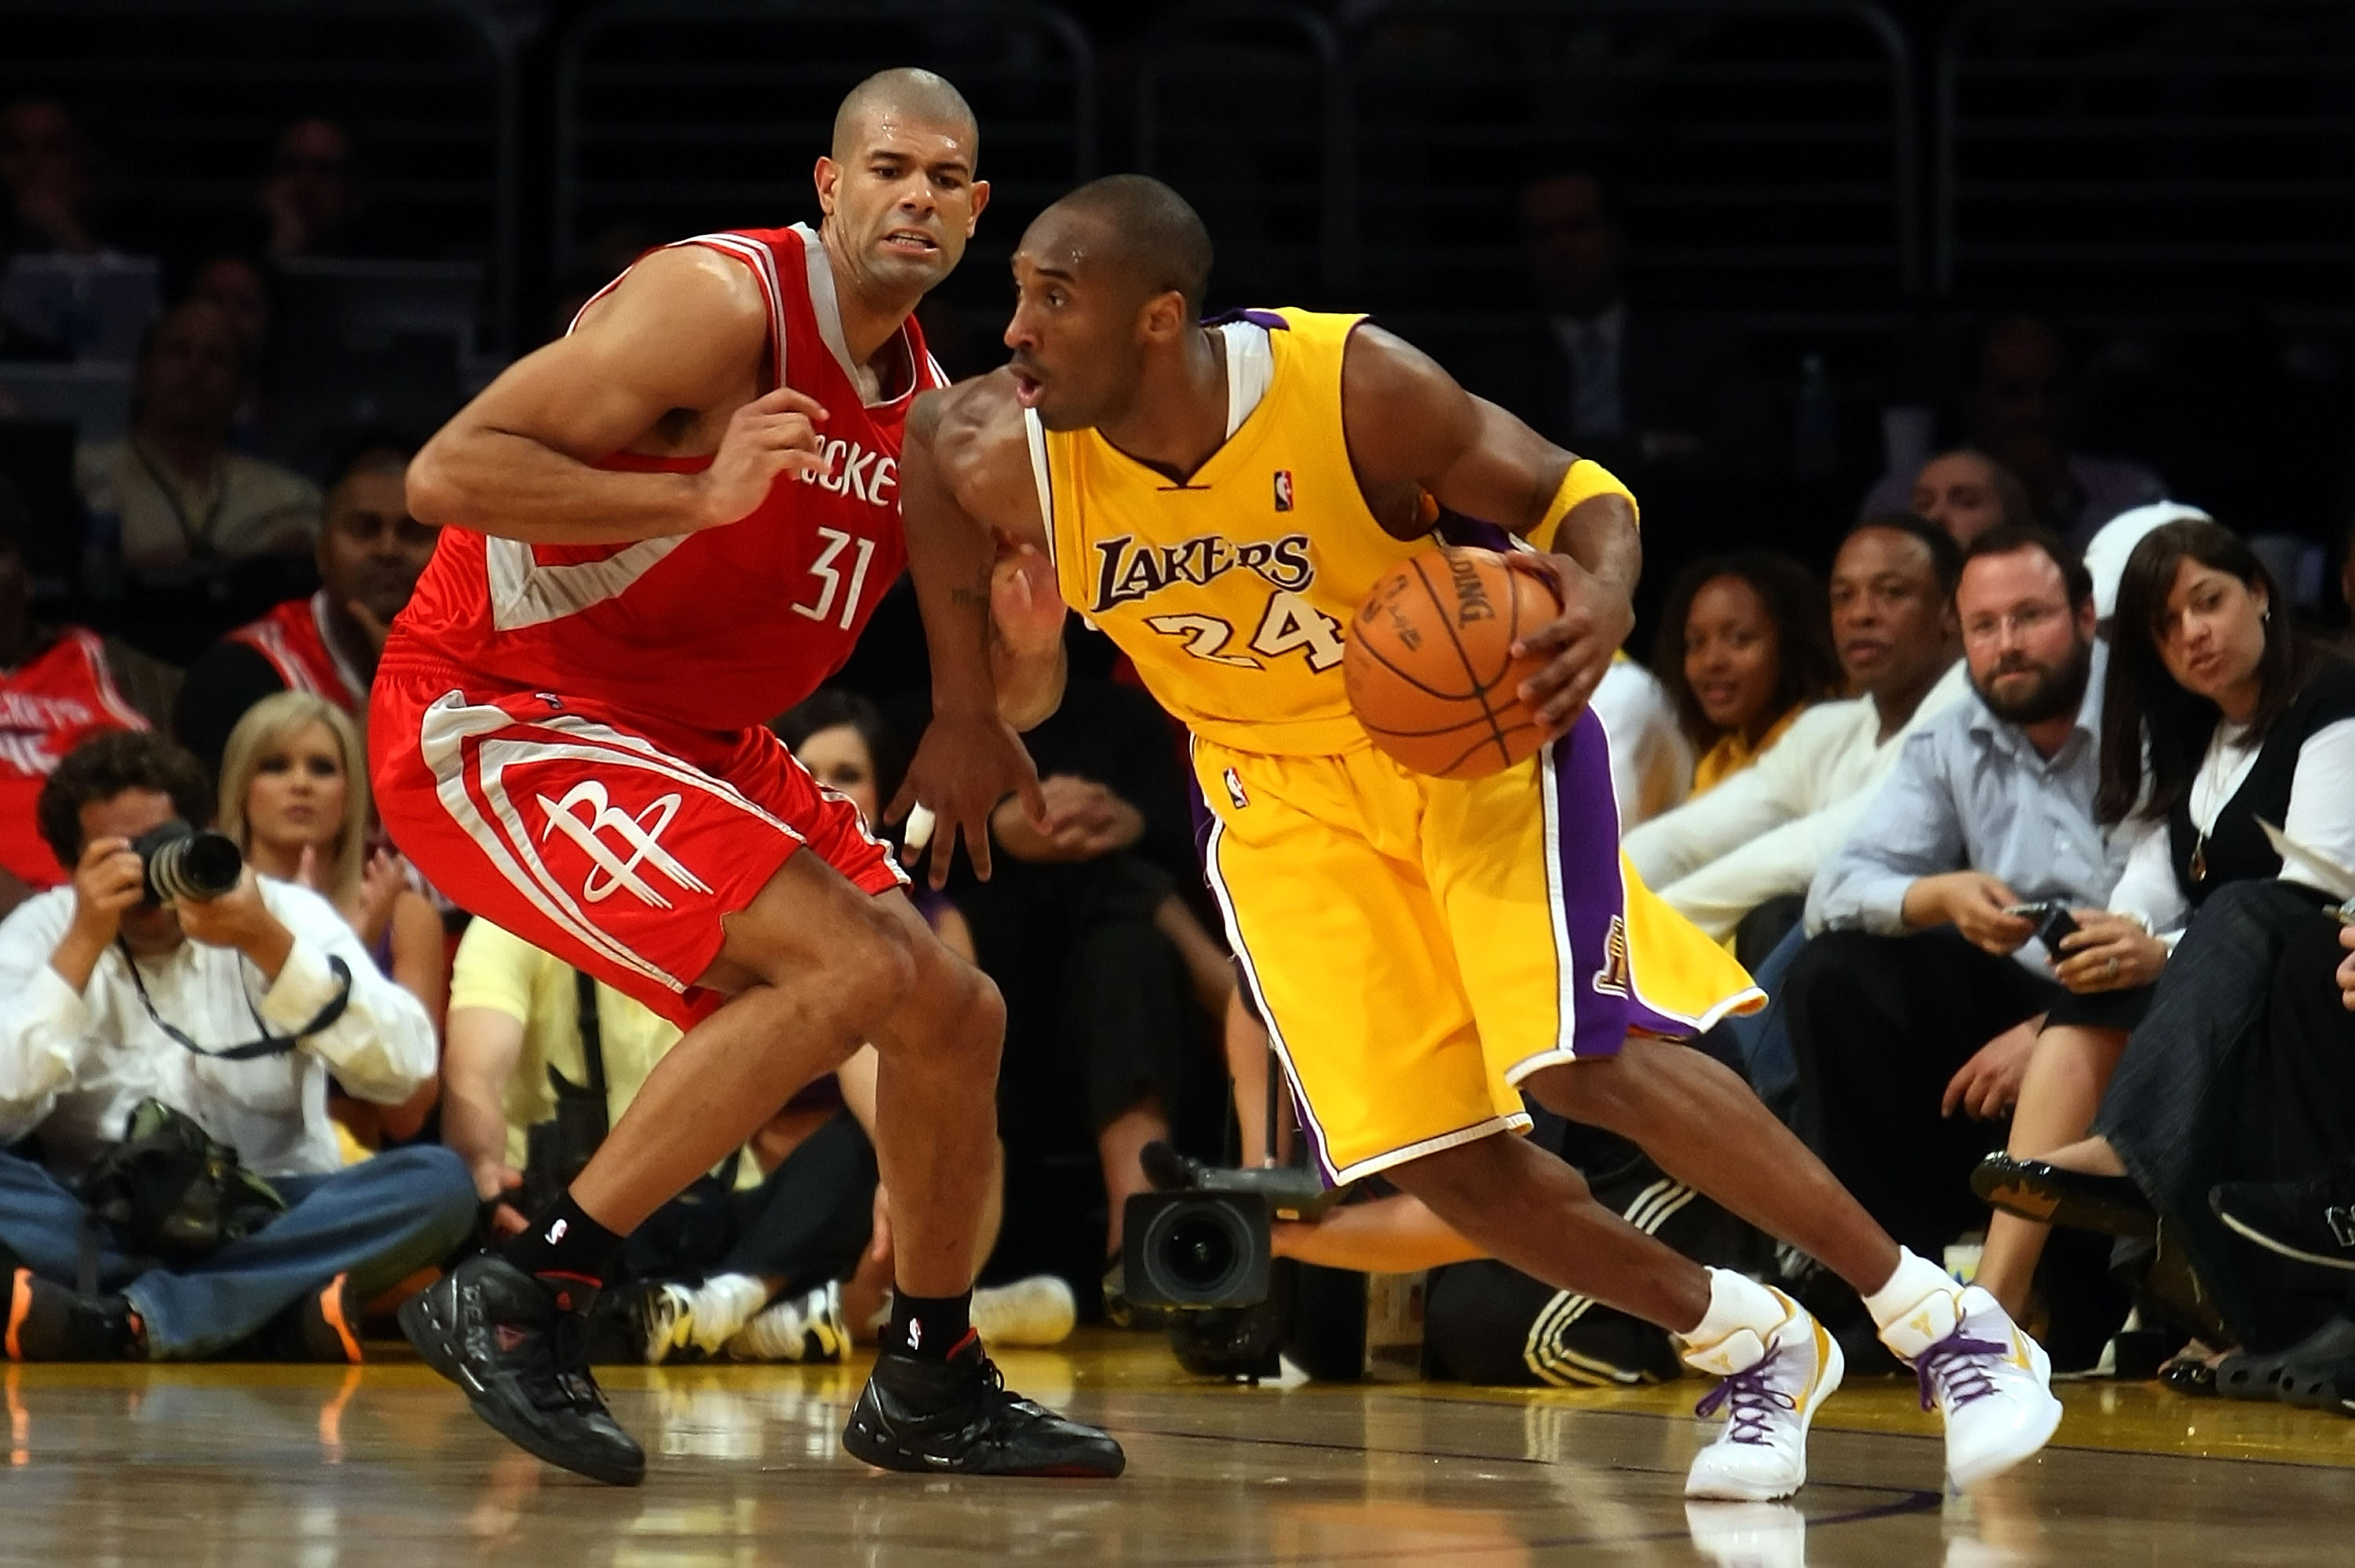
(54, 702)
(293, 638)
(722, 628)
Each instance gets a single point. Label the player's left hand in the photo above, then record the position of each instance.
(1596, 618)
(965, 764)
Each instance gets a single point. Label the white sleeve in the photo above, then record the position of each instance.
(45, 1024)
(2147, 887)
(1676, 844)
(382, 1045)
(2321, 814)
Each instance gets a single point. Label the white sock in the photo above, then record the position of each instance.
(1915, 1280)
(1737, 1302)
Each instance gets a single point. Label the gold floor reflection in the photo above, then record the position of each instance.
(338, 1467)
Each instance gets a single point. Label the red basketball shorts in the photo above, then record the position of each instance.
(614, 841)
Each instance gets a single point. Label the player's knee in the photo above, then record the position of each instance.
(875, 973)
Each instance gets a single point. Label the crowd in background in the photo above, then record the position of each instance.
(2025, 681)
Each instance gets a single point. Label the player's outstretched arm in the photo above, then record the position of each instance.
(685, 332)
(961, 487)
(1407, 421)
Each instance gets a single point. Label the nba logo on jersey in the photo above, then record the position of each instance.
(1283, 490)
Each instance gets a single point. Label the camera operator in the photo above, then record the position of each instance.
(230, 1011)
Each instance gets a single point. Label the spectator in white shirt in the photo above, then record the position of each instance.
(1758, 837)
(231, 1011)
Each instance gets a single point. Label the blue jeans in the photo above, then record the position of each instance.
(1762, 1042)
(380, 1222)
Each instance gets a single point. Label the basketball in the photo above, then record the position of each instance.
(1430, 667)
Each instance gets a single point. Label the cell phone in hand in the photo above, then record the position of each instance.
(2053, 921)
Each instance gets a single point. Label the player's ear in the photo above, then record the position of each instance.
(980, 200)
(826, 178)
(1165, 315)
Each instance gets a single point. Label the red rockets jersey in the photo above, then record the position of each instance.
(293, 638)
(58, 699)
(719, 630)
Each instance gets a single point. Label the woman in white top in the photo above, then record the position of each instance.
(2217, 720)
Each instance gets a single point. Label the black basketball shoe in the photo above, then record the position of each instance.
(957, 1419)
(2311, 1221)
(521, 1355)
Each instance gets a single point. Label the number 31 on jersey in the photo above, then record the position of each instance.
(1289, 623)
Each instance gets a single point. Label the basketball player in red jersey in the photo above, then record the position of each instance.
(657, 533)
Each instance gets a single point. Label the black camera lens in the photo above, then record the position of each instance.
(1200, 1249)
(190, 864)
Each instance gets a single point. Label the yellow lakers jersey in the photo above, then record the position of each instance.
(1231, 592)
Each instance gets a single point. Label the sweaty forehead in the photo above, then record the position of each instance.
(926, 135)
(1078, 243)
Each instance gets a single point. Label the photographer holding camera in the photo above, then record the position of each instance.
(167, 1026)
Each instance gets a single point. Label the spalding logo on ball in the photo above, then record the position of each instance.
(1429, 668)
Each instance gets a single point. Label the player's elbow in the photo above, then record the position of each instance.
(437, 495)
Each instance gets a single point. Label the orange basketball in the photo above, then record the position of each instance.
(1429, 668)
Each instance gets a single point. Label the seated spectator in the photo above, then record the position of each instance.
(59, 686)
(1920, 997)
(1744, 646)
(18, 340)
(2219, 718)
(236, 282)
(181, 496)
(779, 1256)
(1651, 761)
(295, 796)
(312, 200)
(1620, 382)
(1967, 492)
(370, 555)
(1762, 834)
(51, 175)
(107, 1001)
(2020, 408)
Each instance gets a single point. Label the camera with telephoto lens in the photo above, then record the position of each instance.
(1205, 1243)
(186, 864)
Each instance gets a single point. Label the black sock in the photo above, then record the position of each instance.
(929, 1328)
(565, 1246)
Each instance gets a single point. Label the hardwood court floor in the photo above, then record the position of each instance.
(327, 1468)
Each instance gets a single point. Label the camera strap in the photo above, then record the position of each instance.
(268, 1045)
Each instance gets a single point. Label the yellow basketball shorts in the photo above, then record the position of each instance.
(1419, 946)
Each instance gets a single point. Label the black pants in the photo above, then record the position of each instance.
(1880, 1024)
(807, 1223)
(2242, 1070)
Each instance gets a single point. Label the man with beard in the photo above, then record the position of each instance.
(371, 553)
(1913, 1012)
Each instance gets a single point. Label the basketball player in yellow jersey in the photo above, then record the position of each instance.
(1219, 499)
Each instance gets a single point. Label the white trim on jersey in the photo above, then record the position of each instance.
(1036, 433)
(92, 649)
(1250, 370)
(524, 592)
(355, 688)
(443, 732)
(763, 263)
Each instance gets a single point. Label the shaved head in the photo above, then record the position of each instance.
(1147, 232)
(905, 92)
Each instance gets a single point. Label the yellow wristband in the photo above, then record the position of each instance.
(1587, 479)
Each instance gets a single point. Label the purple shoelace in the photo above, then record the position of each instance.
(1952, 1361)
(1753, 1401)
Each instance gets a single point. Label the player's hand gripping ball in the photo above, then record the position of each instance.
(1429, 668)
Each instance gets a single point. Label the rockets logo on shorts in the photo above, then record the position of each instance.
(587, 817)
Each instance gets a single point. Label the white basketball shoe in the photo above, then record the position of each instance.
(1773, 1386)
(1989, 1380)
